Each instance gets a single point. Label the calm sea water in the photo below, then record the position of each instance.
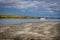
(15, 21)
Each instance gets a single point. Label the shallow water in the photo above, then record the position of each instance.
(15, 21)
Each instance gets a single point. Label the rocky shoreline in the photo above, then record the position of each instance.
(31, 31)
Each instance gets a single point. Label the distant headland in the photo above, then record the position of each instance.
(15, 17)
(8, 16)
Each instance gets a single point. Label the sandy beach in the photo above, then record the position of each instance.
(30, 31)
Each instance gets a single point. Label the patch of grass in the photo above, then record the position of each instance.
(15, 16)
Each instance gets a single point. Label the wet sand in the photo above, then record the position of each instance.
(30, 31)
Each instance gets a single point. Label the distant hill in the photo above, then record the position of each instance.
(23, 17)
(15, 16)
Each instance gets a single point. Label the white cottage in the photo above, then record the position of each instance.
(42, 18)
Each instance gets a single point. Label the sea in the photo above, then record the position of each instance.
(16, 21)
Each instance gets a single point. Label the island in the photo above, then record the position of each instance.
(7, 16)
(15, 17)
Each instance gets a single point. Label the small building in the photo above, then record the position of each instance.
(43, 18)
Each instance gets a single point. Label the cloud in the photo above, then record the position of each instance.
(19, 4)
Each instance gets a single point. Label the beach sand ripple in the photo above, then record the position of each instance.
(30, 31)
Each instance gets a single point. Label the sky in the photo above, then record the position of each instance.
(45, 8)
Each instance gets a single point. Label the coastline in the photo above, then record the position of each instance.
(28, 31)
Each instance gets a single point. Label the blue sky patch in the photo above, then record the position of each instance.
(50, 8)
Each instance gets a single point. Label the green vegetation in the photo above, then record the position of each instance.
(8, 16)
(15, 16)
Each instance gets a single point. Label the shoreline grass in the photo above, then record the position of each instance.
(17, 17)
